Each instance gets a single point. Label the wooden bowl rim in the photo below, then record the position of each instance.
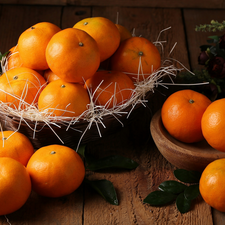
(200, 152)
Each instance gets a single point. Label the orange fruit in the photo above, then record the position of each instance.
(73, 55)
(50, 76)
(110, 88)
(211, 185)
(61, 98)
(124, 33)
(182, 113)
(213, 123)
(21, 86)
(15, 185)
(132, 53)
(15, 145)
(55, 171)
(13, 58)
(14, 61)
(32, 45)
(105, 33)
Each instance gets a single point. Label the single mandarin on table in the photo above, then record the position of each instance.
(211, 184)
(15, 185)
(55, 171)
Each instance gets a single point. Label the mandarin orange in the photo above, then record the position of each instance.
(13, 58)
(15, 145)
(50, 76)
(105, 33)
(110, 88)
(211, 185)
(124, 32)
(20, 87)
(55, 171)
(60, 98)
(136, 56)
(182, 113)
(213, 123)
(15, 185)
(73, 55)
(32, 45)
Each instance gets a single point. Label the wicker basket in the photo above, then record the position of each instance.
(42, 134)
(85, 130)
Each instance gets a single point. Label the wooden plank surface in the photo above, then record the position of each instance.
(84, 206)
(216, 4)
(17, 18)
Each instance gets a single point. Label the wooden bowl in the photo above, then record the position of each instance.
(194, 156)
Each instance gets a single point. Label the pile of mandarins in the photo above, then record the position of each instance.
(51, 171)
(59, 71)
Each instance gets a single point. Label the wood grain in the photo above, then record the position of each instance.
(216, 4)
(17, 18)
(42, 210)
(218, 217)
(72, 14)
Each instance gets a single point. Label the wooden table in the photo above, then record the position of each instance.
(85, 206)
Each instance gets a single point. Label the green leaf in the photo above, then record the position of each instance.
(172, 186)
(187, 176)
(105, 188)
(183, 204)
(114, 161)
(192, 192)
(81, 150)
(158, 198)
(215, 38)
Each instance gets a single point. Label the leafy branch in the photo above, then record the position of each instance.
(213, 26)
(171, 190)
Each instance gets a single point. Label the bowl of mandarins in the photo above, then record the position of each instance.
(188, 130)
(71, 86)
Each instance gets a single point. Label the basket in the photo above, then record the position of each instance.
(93, 125)
(71, 135)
